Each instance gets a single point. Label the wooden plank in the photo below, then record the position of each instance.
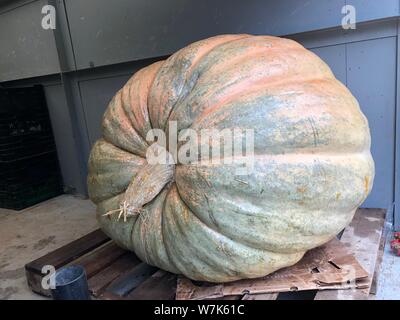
(362, 237)
(100, 258)
(236, 297)
(69, 252)
(377, 270)
(131, 280)
(323, 268)
(160, 286)
(261, 296)
(109, 296)
(121, 266)
(35, 283)
(111, 277)
(60, 257)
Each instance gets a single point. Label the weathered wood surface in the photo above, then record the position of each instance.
(160, 286)
(116, 274)
(61, 257)
(261, 296)
(100, 258)
(70, 252)
(330, 266)
(379, 260)
(362, 237)
(126, 283)
(98, 283)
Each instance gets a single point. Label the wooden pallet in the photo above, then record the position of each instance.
(116, 274)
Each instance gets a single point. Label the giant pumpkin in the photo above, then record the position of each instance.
(312, 161)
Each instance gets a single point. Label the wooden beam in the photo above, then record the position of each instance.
(69, 252)
(121, 266)
(160, 286)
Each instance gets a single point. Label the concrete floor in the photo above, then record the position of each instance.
(29, 234)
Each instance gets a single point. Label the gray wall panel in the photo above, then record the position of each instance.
(106, 32)
(63, 135)
(374, 9)
(372, 79)
(397, 139)
(293, 16)
(96, 94)
(26, 50)
(335, 57)
(363, 31)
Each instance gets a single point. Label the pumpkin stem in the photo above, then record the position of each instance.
(144, 187)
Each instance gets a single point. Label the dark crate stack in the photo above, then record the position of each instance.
(29, 170)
